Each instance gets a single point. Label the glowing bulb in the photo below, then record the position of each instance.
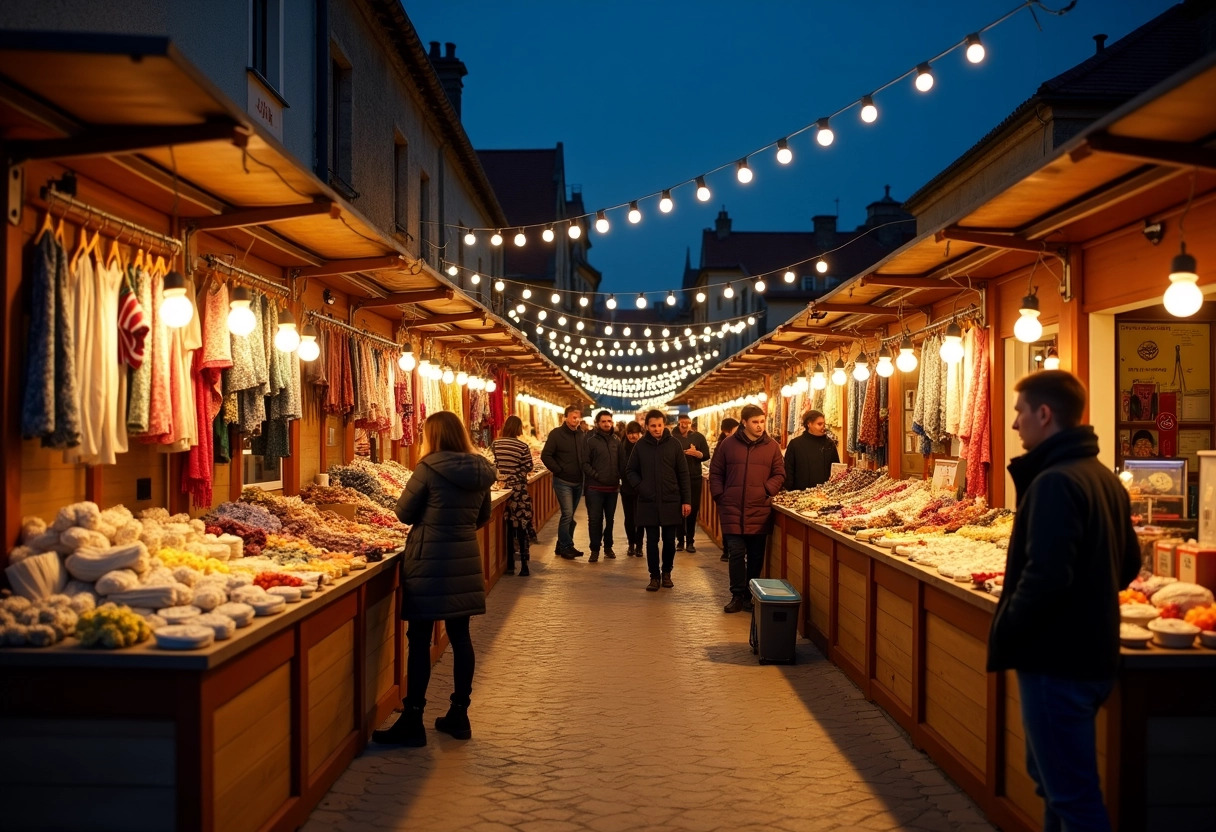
(821, 266)
(519, 310)
(601, 222)
(1183, 298)
(885, 367)
(611, 302)
(869, 112)
(475, 279)
(761, 285)
(1052, 361)
(288, 337)
(823, 133)
(547, 234)
(582, 300)
(470, 238)
(665, 203)
(786, 391)
(607, 329)
(541, 314)
(703, 193)
(952, 346)
(579, 325)
(742, 172)
(241, 320)
(635, 216)
(520, 239)
(309, 349)
(789, 277)
(861, 368)
(671, 298)
(641, 301)
(700, 296)
(561, 320)
(819, 379)
(575, 231)
(491, 386)
(499, 285)
(784, 154)
(975, 49)
(175, 308)
(555, 298)
(496, 239)
(924, 77)
(452, 271)
(527, 293)
(448, 376)
(728, 292)
(462, 378)
(627, 331)
(751, 320)
(839, 377)
(1028, 329)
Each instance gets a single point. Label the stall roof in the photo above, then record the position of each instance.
(132, 114)
(1130, 164)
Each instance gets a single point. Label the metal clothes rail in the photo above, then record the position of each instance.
(216, 262)
(325, 320)
(56, 200)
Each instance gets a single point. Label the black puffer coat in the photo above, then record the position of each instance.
(445, 501)
(626, 451)
(658, 473)
(602, 459)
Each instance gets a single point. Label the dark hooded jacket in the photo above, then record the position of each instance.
(445, 501)
(744, 476)
(658, 473)
(564, 453)
(626, 451)
(602, 460)
(808, 461)
(1071, 550)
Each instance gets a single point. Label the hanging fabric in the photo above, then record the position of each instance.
(975, 433)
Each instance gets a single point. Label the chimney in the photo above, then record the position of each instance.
(722, 224)
(825, 230)
(1099, 43)
(450, 70)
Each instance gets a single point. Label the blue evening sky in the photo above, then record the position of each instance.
(644, 95)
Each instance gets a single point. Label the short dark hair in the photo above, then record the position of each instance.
(655, 414)
(602, 414)
(728, 424)
(571, 408)
(514, 426)
(1143, 434)
(1060, 390)
(684, 416)
(811, 416)
(633, 427)
(751, 411)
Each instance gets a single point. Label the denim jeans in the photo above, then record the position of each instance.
(652, 548)
(601, 512)
(418, 664)
(1059, 716)
(567, 500)
(746, 553)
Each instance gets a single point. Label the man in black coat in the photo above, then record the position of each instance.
(809, 457)
(601, 469)
(695, 449)
(563, 454)
(659, 474)
(1071, 550)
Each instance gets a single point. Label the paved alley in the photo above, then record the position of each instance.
(600, 706)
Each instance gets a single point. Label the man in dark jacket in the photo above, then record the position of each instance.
(659, 474)
(601, 468)
(1071, 550)
(695, 449)
(564, 453)
(809, 457)
(745, 474)
(629, 494)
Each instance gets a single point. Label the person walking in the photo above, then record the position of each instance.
(602, 472)
(563, 454)
(810, 455)
(629, 494)
(513, 459)
(695, 449)
(728, 428)
(659, 474)
(446, 500)
(744, 476)
(1071, 550)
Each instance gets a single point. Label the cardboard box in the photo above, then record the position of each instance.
(1165, 560)
(1197, 565)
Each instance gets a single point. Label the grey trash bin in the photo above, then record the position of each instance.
(774, 619)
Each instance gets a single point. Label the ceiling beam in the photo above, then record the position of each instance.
(853, 308)
(455, 317)
(243, 217)
(1157, 152)
(363, 264)
(895, 282)
(402, 298)
(496, 329)
(989, 239)
(127, 138)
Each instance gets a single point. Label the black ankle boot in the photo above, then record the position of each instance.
(408, 730)
(456, 722)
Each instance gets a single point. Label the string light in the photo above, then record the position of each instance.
(452, 271)
(869, 112)
(555, 298)
(728, 292)
(784, 154)
(470, 238)
(861, 368)
(499, 285)
(475, 279)
(821, 266)
(789, 277)
(575, 230)
(310, 350)
(582, 300)
(241, 320)
(547, 235)
(924, 77)
(611, 302)
(703, 193)
(823, 133)
(527, 293)
(520, 239)
(742, 172)
(906, 361)
(635, 215)
(496, 238)
(885, 368)
(700, 296)
(671, 298)
(665, 203)
(975, 49)
(760, 285)
(601, 222)
(641, 301)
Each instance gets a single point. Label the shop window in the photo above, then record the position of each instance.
(808, 283)
(401, 185)
(341, 124)
(258, 471)
(266, 41)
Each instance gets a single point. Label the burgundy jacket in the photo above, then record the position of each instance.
(744, 476)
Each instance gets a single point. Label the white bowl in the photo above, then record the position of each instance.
(1173, 633)
(1208, 639)
(1133, 635)
(1139, 614)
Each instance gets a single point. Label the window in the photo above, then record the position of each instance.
(401, 184)
(265, 41)
(340, 123)
(808, 283)
(265, 473)
(426, 251)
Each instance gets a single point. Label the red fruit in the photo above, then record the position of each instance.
(1171, 611)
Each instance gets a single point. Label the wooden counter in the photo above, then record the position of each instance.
(916, 644)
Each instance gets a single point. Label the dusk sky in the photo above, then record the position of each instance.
(644, 95)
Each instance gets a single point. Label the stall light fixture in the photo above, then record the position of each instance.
(665, 202)
(819, 378)
(1028, 329)
(703, 194)
(861, 368)
(176, 309)
(839, 377)
(952, 344)
(288, 337)
(885, 368)
(906, 361)
(310, 350)
(869, 112)
(241, 320)
(924, 77)
(1052, 361)
(975, 49)
(784, 154)
(1183, 298)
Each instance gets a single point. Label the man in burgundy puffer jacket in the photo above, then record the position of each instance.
(746, 473)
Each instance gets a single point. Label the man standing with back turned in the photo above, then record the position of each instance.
(1071, 550)
(695, 450)
(564, 453)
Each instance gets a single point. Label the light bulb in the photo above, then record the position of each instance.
(665, 203)
(475, 279)
(952, 345)
(452, 271)
(861, 368)
(561, 320)
(786, 391)
(448, 376)
(838, 374)
(499, 285)
(547, 235)
(885, 368)
(575, 231)
(1183, 298)
(742, 172)
(823, 133)
(520, 239)
(819, 379)
(424, 368)
(496, 239)
(924, 77)
(635, 216)
(176, 310)
(761, 285)
(607, 329)
(519, 310)
(527, 293)
(641, 301)
(288, 337)
(309, 349)
(728, 292)
(975, 49)
(541, 314)
(579, 325)
(784, 154)
(627, 331)
(470, 238)
(869, 112)
(611, 302)
(1052, 361)
(671, 298)
(241, 320)
(601, 222)
(703, 193)
(491, 386)
(821, 266)
(555, 298)
(1028, 329)
(582, 300)
(462, 378)
(700, 296)
(751, 320)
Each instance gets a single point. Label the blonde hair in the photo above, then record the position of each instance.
(442, 431)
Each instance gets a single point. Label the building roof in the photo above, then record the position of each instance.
(527, 183)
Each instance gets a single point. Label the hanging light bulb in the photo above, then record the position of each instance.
(582, 300)
(885, 368)
(665, 203)
(309, 349)
(541, 314)
(448, 376)
(1052, 361)
(839, 377)
(424, 368)
(462, 378)
(452, 270)
(547, 235)
(784, 154)
(700, 296)
(641, 301)
(475, 279)
(869, 112)
(611, 302)
(635, 215)
(1028, 329)
(527, 293)
(520, 239)
(975, 49)
(821, 266)
(823, 133)
(288, 337)
(761, 285)
(924, 77)
(789, 277)
(787, 392)
(703, 193)
(499, 285)
(627, 331)
(728, 292)
(575, 230)
(241, 320)
(491, 385)
(607, 329)
(952, 346)
(176, 309)
(671, 298)
(579, 325)
(742, 172)
(496, 238)
(861, 368)
(1183, 298)
(819, 378)
(601, 222)
(469, 237)
(555, 298)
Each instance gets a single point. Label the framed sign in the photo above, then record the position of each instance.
(946, 473)
(1165, 357)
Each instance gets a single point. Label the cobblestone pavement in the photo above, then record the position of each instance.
(600, 706)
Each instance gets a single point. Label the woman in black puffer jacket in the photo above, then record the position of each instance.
(445, 501)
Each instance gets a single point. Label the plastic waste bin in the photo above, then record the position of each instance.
(774, 619)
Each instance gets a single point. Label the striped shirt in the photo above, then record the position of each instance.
(132, 329)
(512, 457)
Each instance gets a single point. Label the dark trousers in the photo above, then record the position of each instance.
(632, 530)
(688, 529)
(746, 553)
(418, 665)
(1059, 716)
(669, 548)
(601, 511)
(516, 536)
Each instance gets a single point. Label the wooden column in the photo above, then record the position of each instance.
(12, 350)
(291, 464)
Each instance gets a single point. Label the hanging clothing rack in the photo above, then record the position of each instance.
(326, 320)
(972, 312)
(54, 199)
(216, 262)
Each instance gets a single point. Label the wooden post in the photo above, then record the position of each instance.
(12, 348)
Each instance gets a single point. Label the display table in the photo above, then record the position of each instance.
(916, 644)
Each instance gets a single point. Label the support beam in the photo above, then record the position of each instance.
(363, 264)
(990, 239)
(1174, 154)
(831, 334)
(497, 329)
(244, 217)
(402, 298)
(894, 282)
(132, 138)
(455, 317)
(854, 308)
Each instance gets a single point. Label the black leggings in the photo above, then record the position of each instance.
(418, 665)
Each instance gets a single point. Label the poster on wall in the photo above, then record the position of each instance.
(1165, 357)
